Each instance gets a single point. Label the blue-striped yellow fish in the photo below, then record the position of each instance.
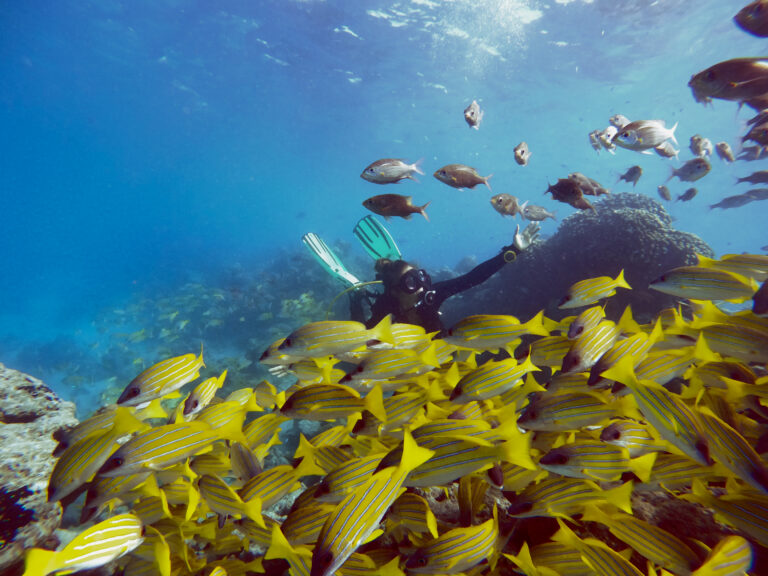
(331, 401)
(161, 379)
(413, 513)
(334, 337)
(591, 290)
(224, 501)
(673, 472)
(160, 448)
(564, 561)
(596, 554)
(303, 523)
(750, 265)
(118, 420)
(636, 437)
(672, 418)
(564, 497)
(587, 348)
(355, 518)
(595, 460)
(587, 320)
(272, 484)
(549, 351)
(732, 556)
(457, 550)
(700, 283)
(344, 479)
(656, 544)
(92, 548)
(101, 490)
(384, 364)
(564, 412)
(492, 332)
(202, 395)
(491, 379)
(78, 464)
(736, 341)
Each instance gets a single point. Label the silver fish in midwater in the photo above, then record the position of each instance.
(473, 115)
(522, 154)
(691, 170)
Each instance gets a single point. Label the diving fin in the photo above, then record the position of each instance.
(376, 240)
(328, 259)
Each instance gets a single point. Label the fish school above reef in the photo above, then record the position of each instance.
(588, 445)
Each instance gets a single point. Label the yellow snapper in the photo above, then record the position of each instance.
(457, 550)
(202, 395)
(334, 337)
(636, 437)
(413, 513)
(224, 501)
(78, 464)
(491, 332)
(118, 420)
(594, 460)
(355, 518)
(162, 379)
(590, 346)
(491, 379)
(92, 548)
(587, 320)
(702, 283)
(565, 497)
(753, 266)
(596, 554)
(331, 401)
(160, 448)
(731, 557)
(586, 292)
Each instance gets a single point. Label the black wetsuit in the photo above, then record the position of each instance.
(426, 312)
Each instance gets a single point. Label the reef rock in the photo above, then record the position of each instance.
(29, 415)
(628, 231)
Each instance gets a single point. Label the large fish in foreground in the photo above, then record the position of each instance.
(358, 515)
(735, 79)
(93, 548)
(162, 379)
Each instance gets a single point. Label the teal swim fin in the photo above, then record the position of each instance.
(328, 260)
(376, 239)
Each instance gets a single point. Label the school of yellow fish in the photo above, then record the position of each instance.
(566, 420)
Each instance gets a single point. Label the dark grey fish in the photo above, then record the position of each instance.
(632, 175)
(751, 153)
(758, 134)
(688, 195)
(753, 18)
(664, 193)
(758, 177)
(733, 202)
(758, 193)
(587, 185)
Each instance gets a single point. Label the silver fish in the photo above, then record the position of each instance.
(535, 213)
(643, 135)
(724, 151)
(691, 170)
(666, 150)
(606, 138)
(473, 115)
(594, 140)
(390, 170)
(619, 121)
(522, 154)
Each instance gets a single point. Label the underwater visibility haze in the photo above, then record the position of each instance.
(165, 165)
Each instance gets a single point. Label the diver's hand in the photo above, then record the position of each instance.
(528, 236)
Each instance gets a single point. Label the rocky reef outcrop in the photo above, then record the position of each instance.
(626, 231)
(29, 415)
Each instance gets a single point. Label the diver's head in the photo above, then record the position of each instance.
(404, 282)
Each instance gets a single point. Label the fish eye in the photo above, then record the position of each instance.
(325, 559)
(442, 173)
(360, 368)
(371, 170)
(614, 435)
(559, 459)
(132, 392)
(710, 75)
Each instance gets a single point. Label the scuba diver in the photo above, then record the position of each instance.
(409, 293)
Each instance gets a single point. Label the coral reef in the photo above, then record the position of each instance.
(627, 231)
(30, 414)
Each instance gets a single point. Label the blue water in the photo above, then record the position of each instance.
(147, 145)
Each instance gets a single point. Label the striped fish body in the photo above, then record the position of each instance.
(92, 548)
(491, 379)
(516, 478)
(413, 513)
(224, 501)
(384, 364)
(596, 554)
(746, 511)
(549, 351)
(161, 379)
(670, 416)
(160, 448)
(700, 283)
(673, 472)
(587, 320)
(78, 464)
(202, 395)
(303, 523)
(262, 432)
(753, 266)
(731, 557)
(591, 290)
(102, 490)
(118, 420)
(334, 337)
(322, 402)
(740, 342)
(661, 367)
(587, 348)
(635, 346)
(565, 497)
(564, 561)
(713, 374)
(733, 451)
(344, 479)
(271, 485)
(356, 517)
(226, 418)
(457, 550)
(493, 332)
(587, 459)
(634, 436)
(564, 412)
